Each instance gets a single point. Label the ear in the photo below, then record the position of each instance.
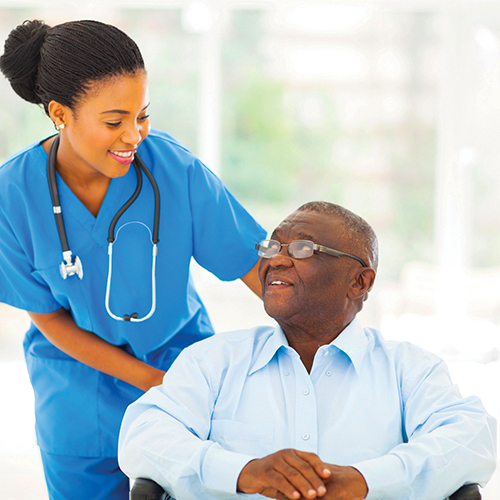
(362, 283)
(58, 113)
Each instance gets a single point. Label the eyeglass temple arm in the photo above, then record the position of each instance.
(337, 253)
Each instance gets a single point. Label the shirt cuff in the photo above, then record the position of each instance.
(221, 469)
(384, 476)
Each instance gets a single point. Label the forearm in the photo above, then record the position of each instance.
(450, 440)
(447, 451)
(174, 450)
(61, 330)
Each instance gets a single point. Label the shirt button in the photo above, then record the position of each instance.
(305, 392)
(305, 437)
(328, 373)
(286, 373)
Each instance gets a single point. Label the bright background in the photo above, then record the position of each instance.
(389, 107)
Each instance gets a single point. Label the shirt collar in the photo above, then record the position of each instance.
(352, 341)
(276, 340)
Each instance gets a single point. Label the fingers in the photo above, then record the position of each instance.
(285, 471)
(320, 467)
(306, 472)
(281, 484)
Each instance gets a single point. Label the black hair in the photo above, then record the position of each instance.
(357, 229)
(60, 63)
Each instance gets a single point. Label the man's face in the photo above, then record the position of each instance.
(307, 291)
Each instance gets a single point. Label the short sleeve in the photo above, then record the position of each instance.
(224, 233)
(18, 285)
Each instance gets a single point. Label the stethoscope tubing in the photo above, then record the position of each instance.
(54, 194)
(156, 224)
(133, 318)
(72, 264)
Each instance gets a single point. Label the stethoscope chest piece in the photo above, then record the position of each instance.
(70, 266)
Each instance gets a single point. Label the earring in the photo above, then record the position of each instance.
(60, 127)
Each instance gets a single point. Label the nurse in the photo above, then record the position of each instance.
(84, 365)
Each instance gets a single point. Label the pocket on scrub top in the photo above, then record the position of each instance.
(65, 406)
(252, 439)
(71, 293)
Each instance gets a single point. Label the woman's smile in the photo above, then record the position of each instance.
(123, 157)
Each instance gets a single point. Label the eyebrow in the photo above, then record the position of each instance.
(300, 235)
(305, 236)
(122, 111)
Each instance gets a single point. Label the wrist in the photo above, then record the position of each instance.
(156, 378)
(362, 486)
(151, 377)
(245, 482)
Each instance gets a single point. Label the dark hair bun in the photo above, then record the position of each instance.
(60, 63)
(19, 62)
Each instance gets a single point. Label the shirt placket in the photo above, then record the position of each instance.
(306, 421)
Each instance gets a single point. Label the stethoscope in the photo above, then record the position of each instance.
(71, 264)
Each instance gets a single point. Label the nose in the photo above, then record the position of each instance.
(133, 134)
(282, 258)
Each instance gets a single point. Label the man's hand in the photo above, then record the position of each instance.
(344, 483)
(292, 474)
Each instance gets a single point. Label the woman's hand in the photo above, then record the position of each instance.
(61, 330)
(252, 281)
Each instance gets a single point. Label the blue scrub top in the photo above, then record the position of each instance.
(79, 409)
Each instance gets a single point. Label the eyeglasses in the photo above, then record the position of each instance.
(299, 249)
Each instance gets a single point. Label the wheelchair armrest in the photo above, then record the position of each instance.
(146, 489)
(467, 492)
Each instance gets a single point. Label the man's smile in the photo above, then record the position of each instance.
(274, 282)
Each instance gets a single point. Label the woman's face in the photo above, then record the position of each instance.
(104, 130)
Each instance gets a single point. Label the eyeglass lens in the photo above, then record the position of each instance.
(299, 249)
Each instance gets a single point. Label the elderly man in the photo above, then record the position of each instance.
(317, 407)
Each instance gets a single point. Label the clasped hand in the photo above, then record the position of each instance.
(297, 475)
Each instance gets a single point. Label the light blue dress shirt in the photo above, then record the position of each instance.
(387, 408)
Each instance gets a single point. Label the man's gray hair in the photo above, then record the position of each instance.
(360, 233)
